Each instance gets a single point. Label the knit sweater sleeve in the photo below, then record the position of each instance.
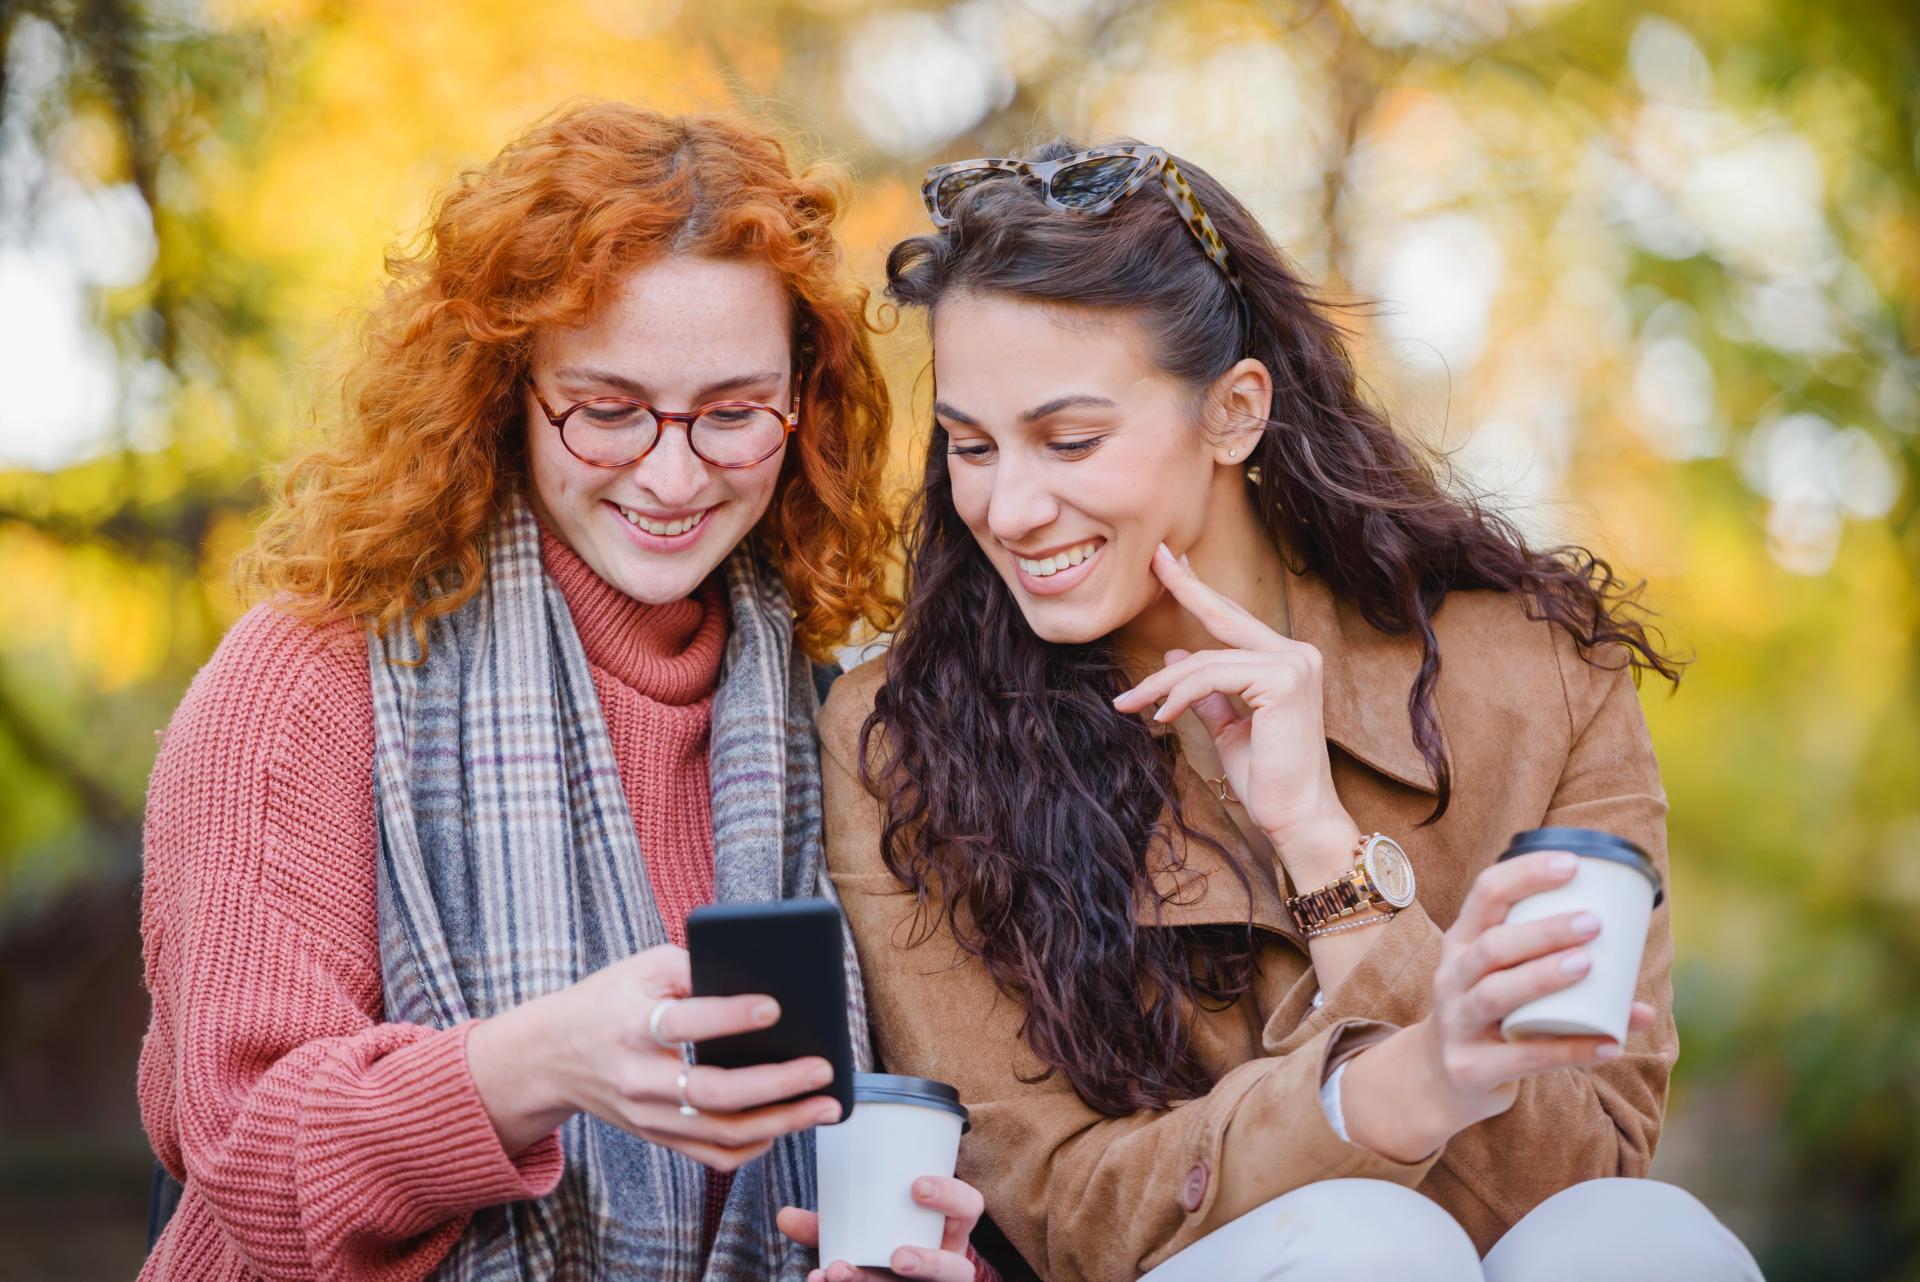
(314, 1139)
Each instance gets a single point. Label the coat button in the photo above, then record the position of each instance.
(1195, 1190)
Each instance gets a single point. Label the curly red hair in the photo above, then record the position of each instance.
(390, 520)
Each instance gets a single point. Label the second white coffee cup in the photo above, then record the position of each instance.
(901, 1128)
(1617, 883)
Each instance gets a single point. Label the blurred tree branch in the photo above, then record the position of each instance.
(1361, 70)
(101, 801)
(140, 530)
(161, 84)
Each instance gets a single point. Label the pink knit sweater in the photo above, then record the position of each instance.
(315, 1140)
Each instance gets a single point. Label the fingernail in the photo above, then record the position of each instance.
(827, 1114)
(767, 1012)
(820, 1076)
(1575, 963)
(1564, 863)
(1586, 925)
(923, 1189)
(905, 1259)
(1608, 1050)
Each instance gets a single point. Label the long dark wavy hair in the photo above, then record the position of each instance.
(1026, 813)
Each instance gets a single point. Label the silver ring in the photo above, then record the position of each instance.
(653, 1025)
(686, 1109)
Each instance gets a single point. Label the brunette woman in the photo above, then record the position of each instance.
(1190, 634)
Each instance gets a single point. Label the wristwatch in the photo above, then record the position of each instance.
(1382, 877)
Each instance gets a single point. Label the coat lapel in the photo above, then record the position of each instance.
(1197, 884)
(1366, 677)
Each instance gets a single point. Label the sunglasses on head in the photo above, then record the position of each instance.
(1087, 182)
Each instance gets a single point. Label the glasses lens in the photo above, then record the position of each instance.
(609, 433)
(954, 185)
(1090, 182)
(738, 435)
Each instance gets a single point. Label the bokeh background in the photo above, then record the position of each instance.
(1650, 274)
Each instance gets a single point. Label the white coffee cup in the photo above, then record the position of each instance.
(901, 1128)
(1616, 882)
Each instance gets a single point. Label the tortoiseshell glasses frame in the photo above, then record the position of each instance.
(636, 428)
(1088, 182)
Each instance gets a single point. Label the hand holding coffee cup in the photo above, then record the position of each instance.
(1494, 963)
(887, 1196)
(1614, 883)
(955, 1199)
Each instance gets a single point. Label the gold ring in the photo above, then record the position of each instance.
(1222, 790)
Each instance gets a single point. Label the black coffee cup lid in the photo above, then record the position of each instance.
(1591, 843)
(892, 1088)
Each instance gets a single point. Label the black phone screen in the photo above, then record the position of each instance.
(789, 950)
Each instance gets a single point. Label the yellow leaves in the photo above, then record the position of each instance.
(1730, 591)
(90, 148)
(1891, 252)
(394, 99)
(96, 622)
(229, 536)
(882, 213)
(272, 14)
(755, 62)
(1870, 575)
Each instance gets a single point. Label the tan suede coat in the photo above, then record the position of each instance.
(1535, 736)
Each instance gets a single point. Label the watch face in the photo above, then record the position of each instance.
(1390, 871)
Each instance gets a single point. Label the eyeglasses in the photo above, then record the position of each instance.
(1088, 182)
(617, 431)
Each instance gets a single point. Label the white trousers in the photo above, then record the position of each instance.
(1600, 1231)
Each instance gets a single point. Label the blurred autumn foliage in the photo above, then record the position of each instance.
(1650, 273)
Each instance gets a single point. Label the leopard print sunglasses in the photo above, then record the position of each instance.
(1088, 182)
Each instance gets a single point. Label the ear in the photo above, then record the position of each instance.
(1243, 397)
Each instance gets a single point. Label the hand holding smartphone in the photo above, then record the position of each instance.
(789, 950)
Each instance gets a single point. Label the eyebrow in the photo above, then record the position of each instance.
(640, 391)
(1078, 400)
(945, 410)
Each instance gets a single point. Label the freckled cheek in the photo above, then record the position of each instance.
(753, 492)
(557, 483)
(556, 467)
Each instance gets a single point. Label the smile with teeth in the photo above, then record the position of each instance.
(1048, 566)
(665, 529)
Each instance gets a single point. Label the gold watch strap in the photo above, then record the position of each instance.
(1344, 896)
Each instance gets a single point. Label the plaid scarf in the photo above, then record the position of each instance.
(509, 868)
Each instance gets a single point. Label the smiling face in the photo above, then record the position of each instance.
(1073, 456)
(680, 333)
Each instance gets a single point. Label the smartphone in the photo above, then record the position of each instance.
(790, 950)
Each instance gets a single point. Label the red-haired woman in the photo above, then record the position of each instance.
(532, 682)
